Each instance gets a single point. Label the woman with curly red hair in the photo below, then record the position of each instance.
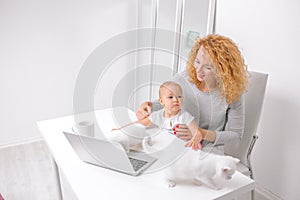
(213, 84)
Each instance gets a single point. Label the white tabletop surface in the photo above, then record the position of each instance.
(92, 182)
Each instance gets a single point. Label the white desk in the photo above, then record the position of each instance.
(92, 182)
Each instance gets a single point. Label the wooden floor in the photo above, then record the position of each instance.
(28, 172)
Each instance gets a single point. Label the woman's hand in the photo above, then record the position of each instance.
(144, 110)
(183, 132)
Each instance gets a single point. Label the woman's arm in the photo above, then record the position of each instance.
(183, 132)
(234, 128)
(233, 131)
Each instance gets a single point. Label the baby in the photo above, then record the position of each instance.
(170, 97)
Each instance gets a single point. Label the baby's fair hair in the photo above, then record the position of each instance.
(167, 85)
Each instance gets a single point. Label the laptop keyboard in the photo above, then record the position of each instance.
(137, 164)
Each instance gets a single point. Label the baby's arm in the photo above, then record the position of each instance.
(197, 136)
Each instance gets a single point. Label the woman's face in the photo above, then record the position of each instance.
(204, 67)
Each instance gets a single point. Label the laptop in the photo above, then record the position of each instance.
(109, 155)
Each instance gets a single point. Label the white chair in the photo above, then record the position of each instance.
(254, 98)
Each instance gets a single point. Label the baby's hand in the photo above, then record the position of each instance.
(195, 142)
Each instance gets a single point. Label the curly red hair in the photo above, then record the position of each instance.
(232, 75)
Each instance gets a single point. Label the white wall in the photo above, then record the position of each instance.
(268, 33)
(194, 14)
(42, 47)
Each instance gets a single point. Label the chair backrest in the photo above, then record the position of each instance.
(254, 98)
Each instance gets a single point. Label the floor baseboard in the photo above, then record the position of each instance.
(30, 140)
(266, 193)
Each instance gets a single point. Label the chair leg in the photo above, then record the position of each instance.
(255, 137)
(251, 176)
(252, 194)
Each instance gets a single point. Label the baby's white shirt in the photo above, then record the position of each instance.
(182, 117)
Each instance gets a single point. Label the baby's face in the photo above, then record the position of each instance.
(171, 98)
